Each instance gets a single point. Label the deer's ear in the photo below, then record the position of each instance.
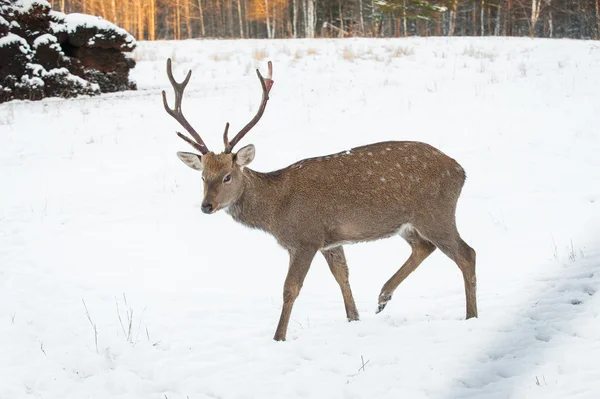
(245, 155)
(194, 161)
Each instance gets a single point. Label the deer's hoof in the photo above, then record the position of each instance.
(383, 301)
(279, 338)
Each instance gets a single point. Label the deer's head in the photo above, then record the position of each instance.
(222, 173)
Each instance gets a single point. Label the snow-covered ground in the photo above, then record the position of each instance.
(113, 283)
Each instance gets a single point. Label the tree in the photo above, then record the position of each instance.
(168, 19)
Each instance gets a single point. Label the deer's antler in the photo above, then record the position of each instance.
(266, 84)
(176, 113)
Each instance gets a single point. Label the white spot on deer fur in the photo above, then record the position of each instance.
(414, 157)
(369, 172)
(399, 166)
(377, 162)
(370, 154)
(382, 179)
(348, 152)
(388, 149)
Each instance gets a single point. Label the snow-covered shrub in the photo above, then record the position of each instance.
(44, 53)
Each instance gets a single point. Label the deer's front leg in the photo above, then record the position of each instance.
(300, 260)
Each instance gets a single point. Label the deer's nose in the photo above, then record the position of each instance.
(207, 208)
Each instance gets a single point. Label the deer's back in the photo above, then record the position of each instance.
(368, 192)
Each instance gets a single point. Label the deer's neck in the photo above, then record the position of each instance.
(255, 207)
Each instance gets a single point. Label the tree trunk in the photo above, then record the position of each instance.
(404, 26)
(267, 19)
(188, 20)
(474, 16)
(498, 19)
(597, 19)
(536, 6)
(294, 18)
(453, 8)
(509, 18)
(240, 18)
(310, 18)
(230, 23)
(103, 10)
(248, 32)
(482, 17)
(151, 20)
(113, 12)
(140, 21)
(201, 12)
(362, 18)
(341, 14)
(178, 20)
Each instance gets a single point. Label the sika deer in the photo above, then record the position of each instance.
(320, 204)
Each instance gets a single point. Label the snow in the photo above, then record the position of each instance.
(26, 5)
(11, 38)
(44, 39)
(97, 210)
(75, 20)
(38, 71)
(31, 81)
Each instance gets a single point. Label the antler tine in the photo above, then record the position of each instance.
(225, 140)
(266, 88)
(176, 112)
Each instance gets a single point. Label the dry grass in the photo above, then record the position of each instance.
(221, 57)
(144, 54)
(479, 53)
(260, 54)
(285, 50)
(348, 54)
(400, 51)
(312, 51)
(523, 69)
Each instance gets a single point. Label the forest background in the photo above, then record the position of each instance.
(186, 19)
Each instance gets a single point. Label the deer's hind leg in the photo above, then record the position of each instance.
(339, 268)
(421, 249)
(453, 246)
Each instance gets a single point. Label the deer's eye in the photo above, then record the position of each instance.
(227, 179)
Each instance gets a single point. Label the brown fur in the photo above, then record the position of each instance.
(364, 194)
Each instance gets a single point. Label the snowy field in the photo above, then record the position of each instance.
(114, 284)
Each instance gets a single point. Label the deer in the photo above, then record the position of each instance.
(393, 188)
